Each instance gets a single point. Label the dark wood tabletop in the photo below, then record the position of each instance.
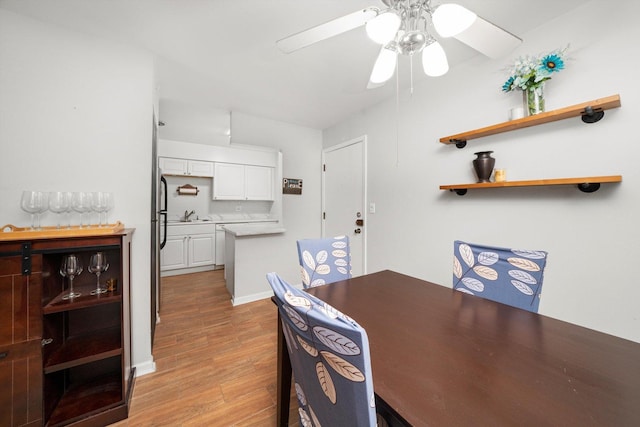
(444, 358)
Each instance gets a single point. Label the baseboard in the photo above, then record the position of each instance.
(181, 271)
(251, 298)
(145, 368)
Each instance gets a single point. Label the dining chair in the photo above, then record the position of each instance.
(508, 276)
(330, 359)
(324, 261)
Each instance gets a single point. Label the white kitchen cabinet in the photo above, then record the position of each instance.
(202, 249)
(199, 168)
(189, 248)
(174, 254)
(242, 182)
(228, 182)
(184, 167)
(259, 183)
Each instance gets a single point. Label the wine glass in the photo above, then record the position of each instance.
(69, 209)
(44, 206)
(29, 204)
(34, 203)
(109, 205)
(58, 203)
(99, 203)
(97, 265)
(71, 267)
(81, 203)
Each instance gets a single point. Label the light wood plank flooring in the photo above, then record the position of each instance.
(215, 363)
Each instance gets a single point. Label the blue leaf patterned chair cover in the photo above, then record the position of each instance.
(324, 261)
(508, 276)
(330, 359)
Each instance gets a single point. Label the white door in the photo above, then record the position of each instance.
(344, 197)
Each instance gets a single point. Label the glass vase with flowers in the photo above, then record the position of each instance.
(529, 73)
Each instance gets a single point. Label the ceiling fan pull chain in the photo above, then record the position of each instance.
(411, 72)
(397, 117)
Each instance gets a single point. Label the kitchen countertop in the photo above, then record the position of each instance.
(255, 229)
(220, 221)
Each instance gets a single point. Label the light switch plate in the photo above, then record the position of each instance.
(372, 208)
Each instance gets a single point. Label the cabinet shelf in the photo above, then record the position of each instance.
(85, 348)
(591, 111)
(85, 300)
(81, 400)
(587, 184)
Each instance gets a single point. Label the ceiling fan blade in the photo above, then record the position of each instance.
(326, 30)
(489, 39)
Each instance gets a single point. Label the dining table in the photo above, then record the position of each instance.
(441, 357)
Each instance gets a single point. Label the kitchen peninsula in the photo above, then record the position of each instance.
(249, 252)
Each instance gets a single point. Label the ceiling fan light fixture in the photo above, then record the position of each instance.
(451, 19)
(434, 60)
(383, 28)
(384, 67)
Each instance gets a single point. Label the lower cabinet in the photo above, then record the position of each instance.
(72, 365)
(189, 247)
(175, 252)
(20, 337)
(21, 379)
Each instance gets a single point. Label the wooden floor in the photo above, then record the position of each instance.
(215, 363)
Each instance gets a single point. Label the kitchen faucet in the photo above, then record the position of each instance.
(188, 214)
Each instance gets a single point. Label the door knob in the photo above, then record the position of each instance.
(359, 222)
(357, 231)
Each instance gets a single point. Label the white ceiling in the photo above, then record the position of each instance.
(221, 54)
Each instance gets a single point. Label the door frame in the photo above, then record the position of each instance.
(359, 140)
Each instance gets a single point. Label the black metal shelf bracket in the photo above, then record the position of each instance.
(585, 187)
(460, 143)
(589, 187)
(590, 115)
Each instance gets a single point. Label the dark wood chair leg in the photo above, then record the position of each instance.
(284, 379)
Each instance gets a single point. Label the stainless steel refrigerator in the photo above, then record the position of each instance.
(158, 228)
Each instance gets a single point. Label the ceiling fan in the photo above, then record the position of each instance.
(406, 27)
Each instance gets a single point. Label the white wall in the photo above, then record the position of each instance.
(76, 115)
(592, 239)
(301, 148)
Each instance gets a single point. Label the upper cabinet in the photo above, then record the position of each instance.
(228, 182)
(242, 182)
(258, 182)
(184, 167)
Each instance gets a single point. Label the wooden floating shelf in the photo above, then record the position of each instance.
(591, 111)
(587, 184)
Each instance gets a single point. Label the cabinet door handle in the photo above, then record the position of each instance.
(46, 341)
(4, 354)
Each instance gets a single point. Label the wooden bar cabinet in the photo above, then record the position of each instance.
(64, 361)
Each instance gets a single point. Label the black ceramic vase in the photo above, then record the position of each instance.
(483, 165)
